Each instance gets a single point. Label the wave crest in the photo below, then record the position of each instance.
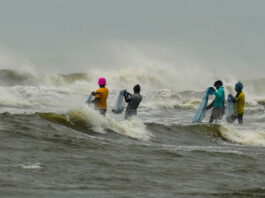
(87, 119)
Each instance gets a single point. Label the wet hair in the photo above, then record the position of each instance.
(218, 82)
(137, 88)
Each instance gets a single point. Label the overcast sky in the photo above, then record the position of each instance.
(73, 35)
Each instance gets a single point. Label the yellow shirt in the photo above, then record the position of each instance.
(102, 96)
(240, 104)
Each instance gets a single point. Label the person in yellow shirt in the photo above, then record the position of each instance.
(101, 96)
(239, 104)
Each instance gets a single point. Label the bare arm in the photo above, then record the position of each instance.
(210, 105)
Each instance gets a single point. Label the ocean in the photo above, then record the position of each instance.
(55, 145)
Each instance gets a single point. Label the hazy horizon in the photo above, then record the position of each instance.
(67, 36)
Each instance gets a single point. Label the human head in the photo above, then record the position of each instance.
(218, 84)
(137, 88)
(238, 86)
(102, 82)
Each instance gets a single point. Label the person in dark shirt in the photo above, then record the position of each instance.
(133, 101)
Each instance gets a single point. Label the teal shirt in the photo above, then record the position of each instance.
(219, 98)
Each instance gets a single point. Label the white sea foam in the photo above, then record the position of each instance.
(92, 119)
(30, 166)
(244, 136)
(161, 87)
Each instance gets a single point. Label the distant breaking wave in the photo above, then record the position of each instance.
(25, 89)
(23, 78)
(153, 78)
(149, 76)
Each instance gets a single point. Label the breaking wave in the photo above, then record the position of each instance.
(235, 135)
(84, 119)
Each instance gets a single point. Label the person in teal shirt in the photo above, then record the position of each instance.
(218, 103)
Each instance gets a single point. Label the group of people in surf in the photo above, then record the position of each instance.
(218, 107)
(101, 96)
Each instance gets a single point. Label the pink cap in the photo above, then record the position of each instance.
(102, 81)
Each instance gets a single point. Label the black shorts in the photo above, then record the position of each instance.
(217, 114)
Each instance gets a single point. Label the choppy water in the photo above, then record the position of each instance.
(54, 145)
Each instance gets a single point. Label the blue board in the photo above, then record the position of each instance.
(200, 113)
(230, 106)
(119, 103)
